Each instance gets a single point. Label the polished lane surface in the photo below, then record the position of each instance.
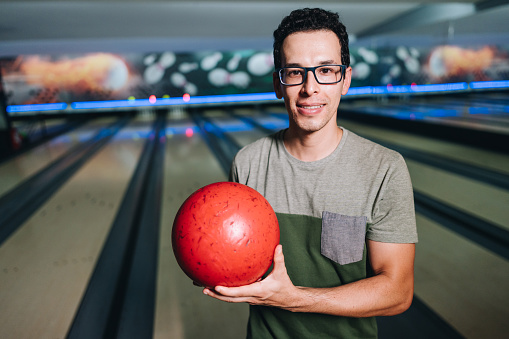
(48, 261)
(182, 311)
(460, 111)
(21, 167)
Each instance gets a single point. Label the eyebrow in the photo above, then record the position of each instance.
(326, 62)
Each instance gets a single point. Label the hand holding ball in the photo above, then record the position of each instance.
(225, 234)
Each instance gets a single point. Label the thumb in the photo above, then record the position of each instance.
(279, 269)
(279, 258)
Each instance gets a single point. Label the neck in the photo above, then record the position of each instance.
(312, 146)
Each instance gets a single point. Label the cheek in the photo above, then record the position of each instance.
(335, 94)
(288, 105)
(289, 95)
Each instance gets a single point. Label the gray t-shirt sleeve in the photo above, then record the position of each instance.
(393, 217)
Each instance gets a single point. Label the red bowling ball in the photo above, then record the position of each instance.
(225, 234)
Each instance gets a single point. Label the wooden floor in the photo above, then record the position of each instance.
(45, 266)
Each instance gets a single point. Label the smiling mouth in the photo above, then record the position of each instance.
(311, 107)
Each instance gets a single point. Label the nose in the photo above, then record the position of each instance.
(310, 84)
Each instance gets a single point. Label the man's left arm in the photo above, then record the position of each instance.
(388, 292)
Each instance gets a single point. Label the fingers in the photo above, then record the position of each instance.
(231, 299)
(240, 291)
(230, 294)
(258, 291)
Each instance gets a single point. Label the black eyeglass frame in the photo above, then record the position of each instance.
(311, 69)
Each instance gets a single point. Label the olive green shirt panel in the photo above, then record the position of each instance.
(306, 266)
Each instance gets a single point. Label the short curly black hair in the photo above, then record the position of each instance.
(311, 19)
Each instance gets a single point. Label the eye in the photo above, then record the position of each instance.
(327, 70)
(294, 72)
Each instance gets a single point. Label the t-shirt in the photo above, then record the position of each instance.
(326, 210)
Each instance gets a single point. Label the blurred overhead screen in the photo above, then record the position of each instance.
(69, 82)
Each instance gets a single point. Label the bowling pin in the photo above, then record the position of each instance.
(401, 53)
(352, 60)
(386, 79)
(167, 59)
(369, 56)
(410, 61)
(155, 72)
(178, 80)
(219, 77)
(149, 59)
(240, 79)
(190, 88)
(395, 71)
(187, 67)
(233, 63)
(260, 64)
(211, 61)
(361, 71)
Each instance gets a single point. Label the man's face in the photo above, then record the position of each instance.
(312, 106)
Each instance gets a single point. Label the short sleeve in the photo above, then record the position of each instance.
(393, 218)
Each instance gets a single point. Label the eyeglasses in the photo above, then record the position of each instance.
(325, 74)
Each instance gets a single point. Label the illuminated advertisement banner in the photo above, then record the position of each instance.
(437, 65)
(107, 80)
(105, 76)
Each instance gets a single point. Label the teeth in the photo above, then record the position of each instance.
(312, 107)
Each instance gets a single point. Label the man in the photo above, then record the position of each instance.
(344, 204)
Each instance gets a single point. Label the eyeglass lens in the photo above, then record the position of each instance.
(327, 74)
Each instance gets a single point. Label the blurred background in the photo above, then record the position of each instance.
(113, 112)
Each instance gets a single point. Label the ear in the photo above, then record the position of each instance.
(347, 81)
(277, 85)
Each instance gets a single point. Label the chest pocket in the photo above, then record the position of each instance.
(343, 237)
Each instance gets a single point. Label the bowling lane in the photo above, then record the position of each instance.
(182, 311)
(21, 167)
(240, 131)
(243, 132)
(46, 264)
(457, 278)
(482, 200)
(441, 110)
(461, 281)
(35, 128)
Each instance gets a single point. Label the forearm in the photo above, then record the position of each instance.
(374, 296)
(388, 292)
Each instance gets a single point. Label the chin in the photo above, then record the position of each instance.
(310, 127)
(309, 124)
